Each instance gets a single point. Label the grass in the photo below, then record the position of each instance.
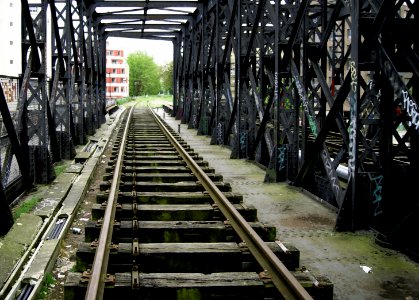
(80, 266)
(25, 207)
(124, 100)
(152, 101)
(59, 168)
(49, 280)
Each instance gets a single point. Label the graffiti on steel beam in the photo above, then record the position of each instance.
(411, 108)
(220, 138)
(377, 194)
(307, 110)
(281, 157)
(331, 173)
(393, 76)
(194, 121)
(243, 141)
(324, 154)
(353, 116)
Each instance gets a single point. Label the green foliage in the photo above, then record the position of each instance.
(25, 207)
(80, 266)
(167, 78)
(144, 75)
(48, 281)
(59, 168)
(153, 101)
(124, 100)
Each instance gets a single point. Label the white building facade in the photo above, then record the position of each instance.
(117, 74)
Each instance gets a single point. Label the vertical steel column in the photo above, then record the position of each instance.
(353, 129)
(224, 27)
(176, 92)
(230, 106)
(203, 86)
(239, 137)
(195, 72)
(6, 217)
(61, 63)
(90, 104)
(188, 71)
(102, 73)
(272, 170)
(79, 96)
(97, 118)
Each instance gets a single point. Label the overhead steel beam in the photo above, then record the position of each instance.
(149, 4)
(145, 35)
(171, 27)
(149, 17)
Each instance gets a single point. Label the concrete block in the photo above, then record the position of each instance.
(74, 168)
(46, 207)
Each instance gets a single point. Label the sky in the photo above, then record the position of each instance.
(161, 51)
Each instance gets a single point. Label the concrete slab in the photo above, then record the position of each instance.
(24, 229)
(47, 207)
(342, 257)
(60, 186)
(82, 157)
(74, 168)
(10, 253)
(43, 261)
(16, 242)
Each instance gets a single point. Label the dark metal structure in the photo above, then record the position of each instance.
(322, 93)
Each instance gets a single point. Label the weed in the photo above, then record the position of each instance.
(59, 168)
(25, 207)
(80, 266)
(48, 281)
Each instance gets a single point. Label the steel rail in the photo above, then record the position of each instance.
(283, 280)
(96, 286)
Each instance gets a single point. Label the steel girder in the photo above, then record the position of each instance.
(33, 108)
(62, 90)
(320, 92)
(50, 119)
(6, 217)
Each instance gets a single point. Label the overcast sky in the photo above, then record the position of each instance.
(161, 51)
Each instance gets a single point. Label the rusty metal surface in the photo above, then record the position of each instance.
(95, 288)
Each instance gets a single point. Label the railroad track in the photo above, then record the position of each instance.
(167, 227)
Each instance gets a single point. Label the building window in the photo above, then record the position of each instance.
(119, 53)
(122, 71)
(11, 61)
(11, 43)
(122, 90)
(113, 80)
(115, 89)
(11, 23)
(114, 61)
(113, 71)
(11, 4)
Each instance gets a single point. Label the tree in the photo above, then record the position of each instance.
(144, 74)
(167, 77)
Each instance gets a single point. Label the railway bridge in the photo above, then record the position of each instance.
(323, 94)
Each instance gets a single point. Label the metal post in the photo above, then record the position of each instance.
(6, 217)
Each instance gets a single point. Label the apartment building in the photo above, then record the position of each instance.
(10, 28)
(117, 74)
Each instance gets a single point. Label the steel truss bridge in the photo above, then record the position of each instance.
(322, 93)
